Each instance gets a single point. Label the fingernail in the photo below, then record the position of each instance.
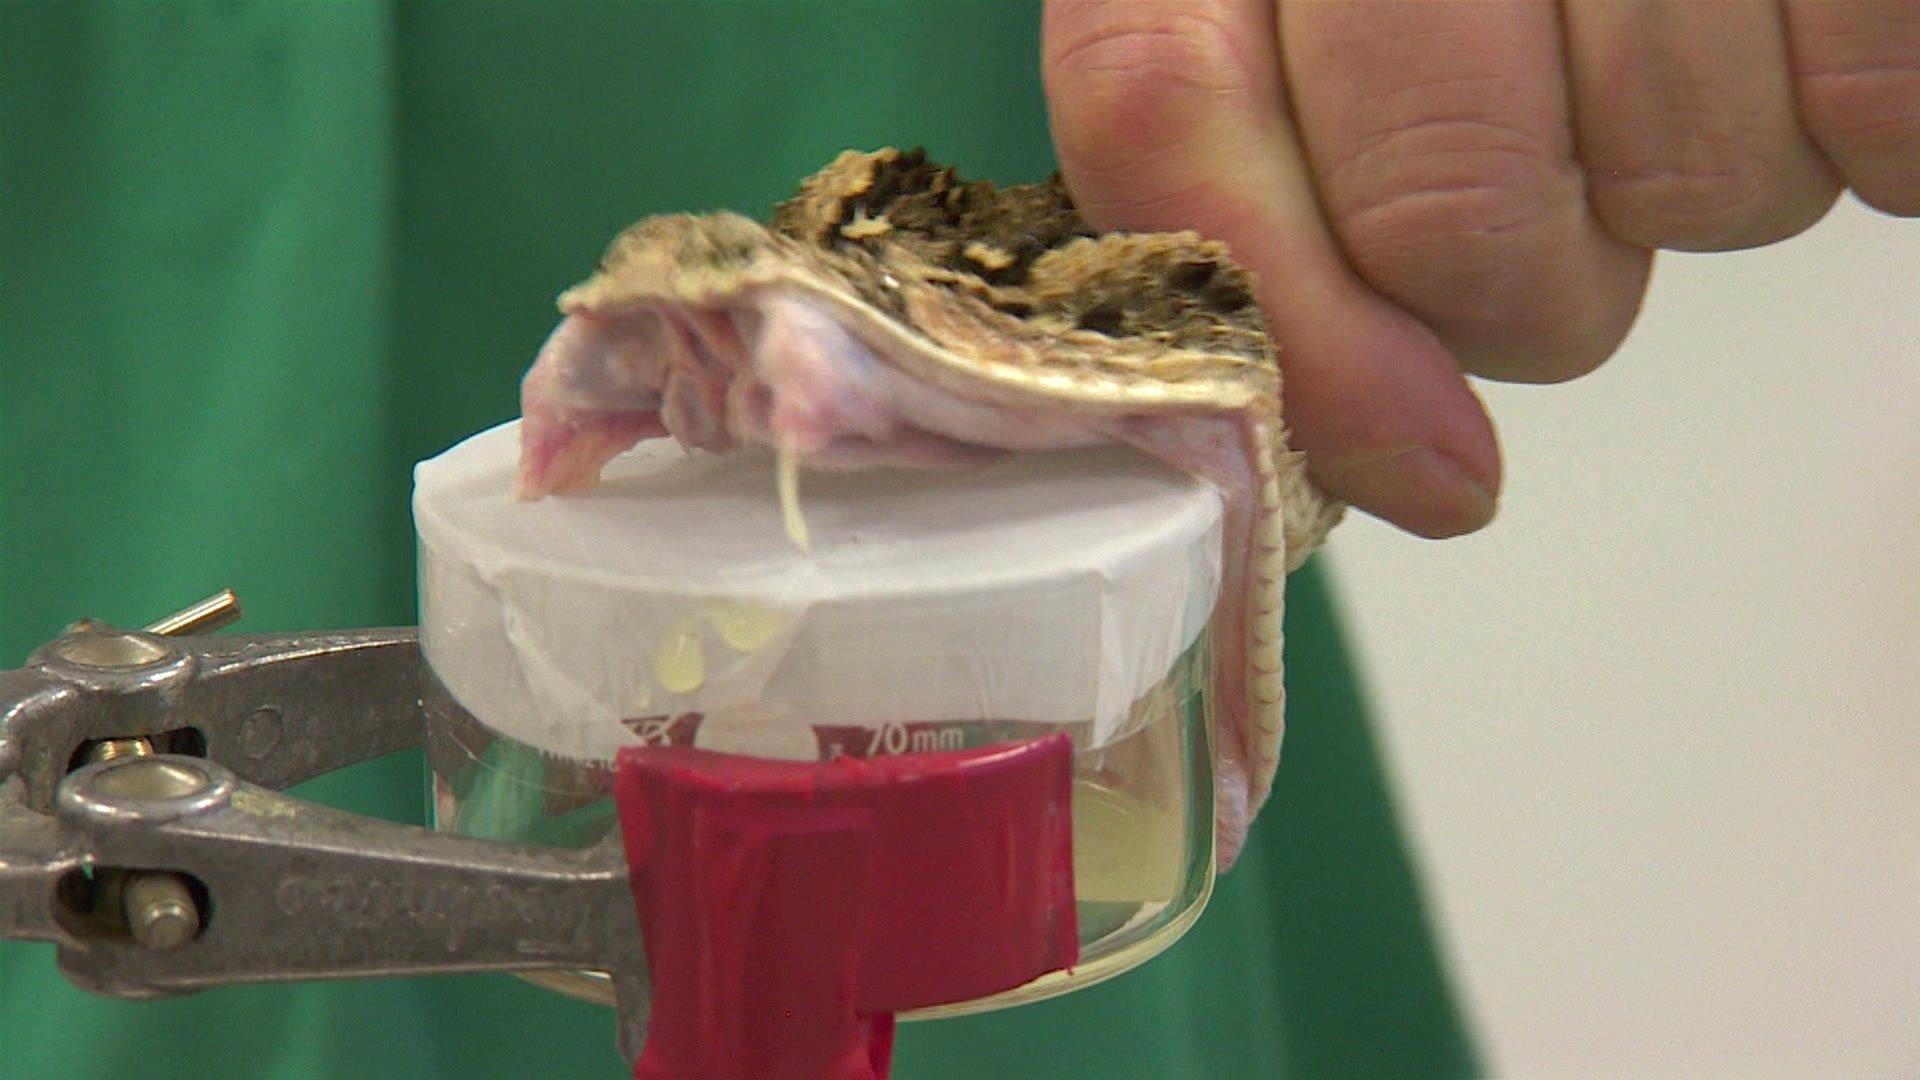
(1417, 488)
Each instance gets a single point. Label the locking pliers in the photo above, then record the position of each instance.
(144, 830)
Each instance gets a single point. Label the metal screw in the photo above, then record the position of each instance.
(161, 913)
(160, 909)
(114, 749)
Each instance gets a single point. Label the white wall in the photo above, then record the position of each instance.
(1657, 730)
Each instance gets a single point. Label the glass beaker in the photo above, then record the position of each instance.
(667, 607)
(1142, 814)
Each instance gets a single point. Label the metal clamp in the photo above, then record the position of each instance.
(143, 830)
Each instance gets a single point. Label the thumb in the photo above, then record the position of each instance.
(1172, 114)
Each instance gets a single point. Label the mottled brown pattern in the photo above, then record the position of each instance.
(1009, 283)
(1025, 251)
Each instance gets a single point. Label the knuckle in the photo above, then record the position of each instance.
(1464, 208)
(1133, 86)
(1701, 196)
(1481, 228)
(1441, 213)
(1866, 115)
(1869, 103)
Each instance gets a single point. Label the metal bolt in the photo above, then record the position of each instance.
(161, 913)
(114, 749)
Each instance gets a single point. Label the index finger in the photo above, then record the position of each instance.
(1171, 114)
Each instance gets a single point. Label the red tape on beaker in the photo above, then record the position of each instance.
(789, 909)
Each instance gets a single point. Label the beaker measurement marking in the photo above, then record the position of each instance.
(893, 739)
(677, 730)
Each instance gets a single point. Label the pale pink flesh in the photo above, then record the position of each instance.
(778, 370)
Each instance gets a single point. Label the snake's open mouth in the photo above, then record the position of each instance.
(772, 370)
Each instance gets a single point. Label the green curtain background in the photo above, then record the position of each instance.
(256, 259)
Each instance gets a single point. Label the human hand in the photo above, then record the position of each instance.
(1430, 188)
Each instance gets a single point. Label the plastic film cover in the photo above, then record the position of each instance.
(1045, 588)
